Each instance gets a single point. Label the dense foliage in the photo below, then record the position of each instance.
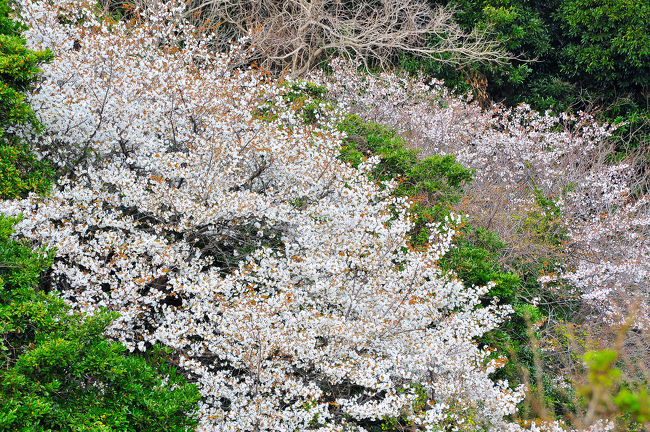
(18, 70)
(20, 170)
(582, 52)
(329, 320)
(296, 246)
(58, 371)
(546, 205)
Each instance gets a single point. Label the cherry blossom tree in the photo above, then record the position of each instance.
(196, 202)
(519, 155)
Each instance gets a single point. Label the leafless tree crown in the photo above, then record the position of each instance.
(297, 34)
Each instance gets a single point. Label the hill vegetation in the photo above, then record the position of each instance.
(311, 215)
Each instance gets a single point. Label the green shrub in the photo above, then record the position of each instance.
(19, 68)
(570, 53)
(58, 371)
(475, 260)
(610, 41)
(21, 171)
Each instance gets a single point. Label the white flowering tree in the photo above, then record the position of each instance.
(519, 155)
(196, 202)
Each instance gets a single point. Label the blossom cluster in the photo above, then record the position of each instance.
(282, 278)
(519, 155)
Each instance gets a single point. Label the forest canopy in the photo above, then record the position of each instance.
(324, 215)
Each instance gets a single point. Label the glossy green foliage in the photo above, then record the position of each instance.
(569, 52)
(610, 41)
(19, 67)
(21, 171)
(59, 373)
(606, 50)
(524, 28)
(474, 259)
(7, 25)
(520, 25)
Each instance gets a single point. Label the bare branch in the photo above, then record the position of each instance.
(298, 34)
